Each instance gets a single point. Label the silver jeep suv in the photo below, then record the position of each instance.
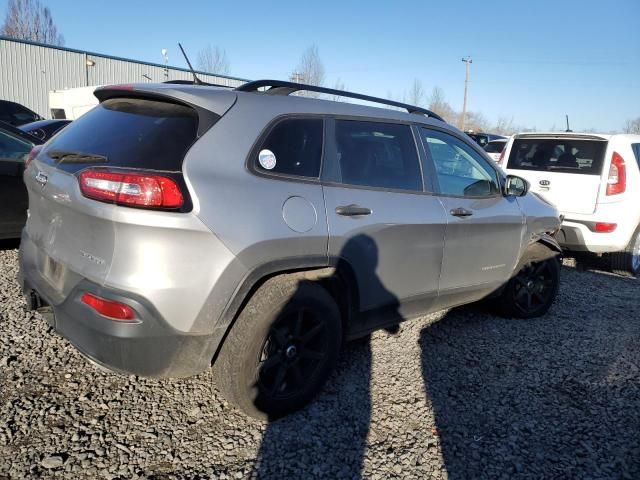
(176, 227)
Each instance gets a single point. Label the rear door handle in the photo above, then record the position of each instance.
(352, 210)
(461, 212)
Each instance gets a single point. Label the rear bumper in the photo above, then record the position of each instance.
(578, 236)
(147, 347)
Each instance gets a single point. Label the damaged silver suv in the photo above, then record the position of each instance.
(178, 227)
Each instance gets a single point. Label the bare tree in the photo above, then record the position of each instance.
(339, 85)
(213, 60)
(632, 126)
(416, 93)
(310, 70)
(29, 20)
(477, 122)
(505, 126)
(439, 105)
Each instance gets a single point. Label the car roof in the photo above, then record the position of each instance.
(581, 135)
(213, 98)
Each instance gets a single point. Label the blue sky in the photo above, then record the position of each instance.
(532, 60)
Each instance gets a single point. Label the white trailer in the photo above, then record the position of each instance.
(72, 102)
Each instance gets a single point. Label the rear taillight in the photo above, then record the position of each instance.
(617, 181)
(32, 154)
(108, 308)
(602, 227)
(146, 190)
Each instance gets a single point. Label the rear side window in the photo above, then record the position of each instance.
(636, 151)
(292, 147)
(494, 147)
(380, 155)
(565, 155)
(130, 133)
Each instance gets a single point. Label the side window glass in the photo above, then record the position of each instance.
(461, 170)
(293, 147)
(13, 149)
(381, 155)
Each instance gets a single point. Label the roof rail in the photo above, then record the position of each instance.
(279, 87)
(192, 82)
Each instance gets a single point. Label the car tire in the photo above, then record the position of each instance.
(627, 262)
(534, 287)
(281, 349)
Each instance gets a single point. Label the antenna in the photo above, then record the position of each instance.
(568, 129)
(196, 80)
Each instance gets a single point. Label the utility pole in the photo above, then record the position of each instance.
(467, 61)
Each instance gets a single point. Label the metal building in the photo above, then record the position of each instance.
(28, 71)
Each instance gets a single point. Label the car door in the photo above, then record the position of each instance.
(13, 193)
(382, 224)
(484, 228)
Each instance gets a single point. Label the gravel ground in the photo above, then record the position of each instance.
(458, 394)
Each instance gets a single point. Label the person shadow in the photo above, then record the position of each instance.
(549, 397)
(328, 437)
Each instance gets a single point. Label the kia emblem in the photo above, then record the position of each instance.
(545, 183)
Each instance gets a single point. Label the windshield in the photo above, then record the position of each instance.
(568, 155)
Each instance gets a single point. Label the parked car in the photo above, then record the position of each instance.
(495, 147)
(256, 231)
(15, 114)
(594, 180)
(483, 138)
(44, 129)
(15, 146)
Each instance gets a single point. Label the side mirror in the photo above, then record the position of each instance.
(515, 186)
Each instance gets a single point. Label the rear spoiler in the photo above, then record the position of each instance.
(209, 107)
(572, 136)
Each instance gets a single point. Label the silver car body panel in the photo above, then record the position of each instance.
(194, 268)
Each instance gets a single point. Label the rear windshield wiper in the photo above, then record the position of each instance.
(65, 156)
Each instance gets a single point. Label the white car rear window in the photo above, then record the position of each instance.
(567, 155)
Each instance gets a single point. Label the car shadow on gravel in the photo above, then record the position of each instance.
(328, 438)
(554, 397)
(9, 244)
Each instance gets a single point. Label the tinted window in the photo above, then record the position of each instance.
(293, 147)
(16, 114)
(377, 155)
(132, 133)
(13, 149)
(558, 155)
(636, 151)
(461, 170)
(494, 147)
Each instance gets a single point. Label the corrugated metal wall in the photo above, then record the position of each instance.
(28, 71)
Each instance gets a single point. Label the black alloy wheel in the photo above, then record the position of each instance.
(293, 354)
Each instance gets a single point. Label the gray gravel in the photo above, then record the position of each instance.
(459, 394)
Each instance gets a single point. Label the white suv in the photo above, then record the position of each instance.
(594, 180)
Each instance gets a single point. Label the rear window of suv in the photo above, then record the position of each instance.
(567, 155)
(130, 133)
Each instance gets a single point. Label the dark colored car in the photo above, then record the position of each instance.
(483, 138)
(44, 129)
(15, 114)
(15, 146)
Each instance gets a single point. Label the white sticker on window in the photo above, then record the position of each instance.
(267, 159)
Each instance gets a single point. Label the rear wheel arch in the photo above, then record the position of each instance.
(338, 278)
